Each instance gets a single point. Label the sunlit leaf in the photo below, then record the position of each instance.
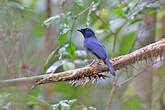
(56, 65)
(71, 101)
(63, 105)
(69, 15)
(128, 9)
(69, 66)
(132, 4)
(51, 20)
(71, 49)
(95, 6)
(79, 2)
(135, 7)
(92, 108)
(55, 106)
(155, 4)
(134, 12)
(89, 108)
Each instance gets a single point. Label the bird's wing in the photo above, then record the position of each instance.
(96, 48)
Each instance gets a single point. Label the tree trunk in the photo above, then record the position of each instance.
(143, 83)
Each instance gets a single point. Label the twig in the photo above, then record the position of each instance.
(85, 9)
(122, 83)
(102, 20)
(131, 78)
(151, 51)
(108, 105)
(110, 30)
(115, 38)
(75, 18)
(134, 76)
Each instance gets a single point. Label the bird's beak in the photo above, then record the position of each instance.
(79, 30)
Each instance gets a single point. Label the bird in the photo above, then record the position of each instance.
(92, 45)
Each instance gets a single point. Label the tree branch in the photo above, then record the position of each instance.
(108, 105)
(146, 53)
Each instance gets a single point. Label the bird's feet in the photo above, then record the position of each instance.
(96, 63)
(93, 62)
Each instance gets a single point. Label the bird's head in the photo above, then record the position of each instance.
(87, 32)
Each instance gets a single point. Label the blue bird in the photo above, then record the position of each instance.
(92, 45)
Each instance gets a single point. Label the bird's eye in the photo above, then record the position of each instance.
(87, 30)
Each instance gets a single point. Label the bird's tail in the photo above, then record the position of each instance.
(111, 69)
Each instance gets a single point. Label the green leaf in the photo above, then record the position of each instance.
(69, 15)
(96, 1)
(62, 38)
(92, 108)
(56, 65)
(133, 4)
(70, 102)
(95, 6)
(63, 105)
(51, 20)
(55, 106)
(71, 49)
(118, 10)
(136, 20)
(79, 2)
(133, 103)
(155, 4)
(35, 100)
(134, 12)
(135, 7)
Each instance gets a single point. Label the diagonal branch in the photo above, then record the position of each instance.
(146, 53)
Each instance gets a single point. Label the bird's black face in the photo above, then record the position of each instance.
(87, 32)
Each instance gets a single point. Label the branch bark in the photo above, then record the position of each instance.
(147, 53)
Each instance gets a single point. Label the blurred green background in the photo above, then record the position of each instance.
(32, 30)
